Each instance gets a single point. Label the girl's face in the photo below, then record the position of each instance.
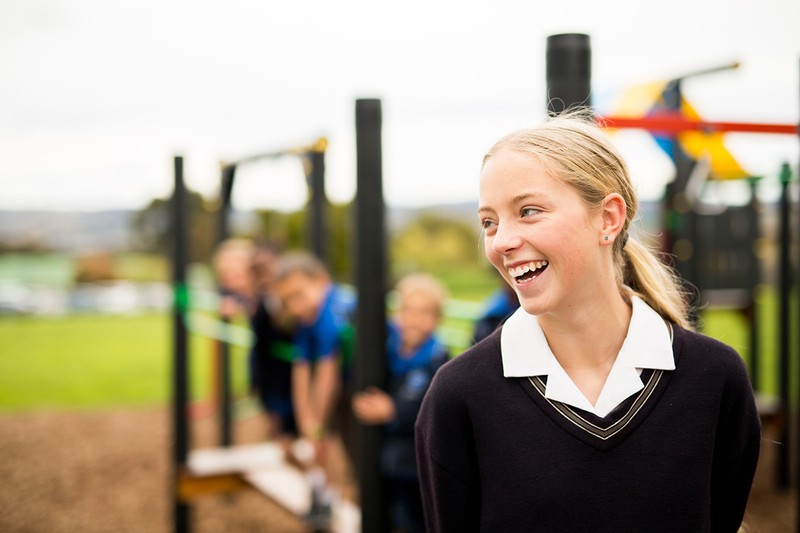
(234, 274)
(540, 235)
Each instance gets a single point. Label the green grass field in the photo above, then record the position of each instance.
(98, 361)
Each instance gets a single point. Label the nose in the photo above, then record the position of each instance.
(506, 238)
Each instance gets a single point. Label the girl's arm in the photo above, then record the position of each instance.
(447, 463)
(736, 452)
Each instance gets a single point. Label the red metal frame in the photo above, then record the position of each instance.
(672, 124)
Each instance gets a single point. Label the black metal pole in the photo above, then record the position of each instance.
(316, 181)
(569, 71)
(224, 354)
(180, 387)
(371, 276)
(797, 407)
(784, 299)
(680, 235)
(752, 311)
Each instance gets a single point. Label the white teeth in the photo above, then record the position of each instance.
(515, 272)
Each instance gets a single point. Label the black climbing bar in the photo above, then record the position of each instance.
(569, 72)
(371, 276)
(180, 347)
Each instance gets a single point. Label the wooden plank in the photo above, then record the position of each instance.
(284, 484)
(261, 466)
(267, 468)
(235, 459)
(191, 486)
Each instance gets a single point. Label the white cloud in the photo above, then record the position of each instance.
(98, 96)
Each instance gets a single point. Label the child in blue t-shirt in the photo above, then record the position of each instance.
(414, 355)
(321, 314)
(499, 306)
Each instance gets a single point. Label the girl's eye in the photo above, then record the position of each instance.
(529, 211)
(487, 224)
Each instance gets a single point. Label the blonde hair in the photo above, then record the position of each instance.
(581, 155)
(422, 283)
(234, 247)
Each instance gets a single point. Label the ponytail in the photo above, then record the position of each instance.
(653, 281)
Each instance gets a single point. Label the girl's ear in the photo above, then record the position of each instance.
(613, 211)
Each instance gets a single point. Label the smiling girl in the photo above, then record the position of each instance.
(595, 407)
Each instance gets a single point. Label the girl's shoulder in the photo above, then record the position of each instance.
(699, 352)
(697, 342)
(478, 364)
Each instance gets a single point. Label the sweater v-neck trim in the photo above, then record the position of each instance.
(603, 433)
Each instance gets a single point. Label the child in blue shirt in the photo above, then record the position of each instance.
(320, 313)
(414, 355)
(499, 306)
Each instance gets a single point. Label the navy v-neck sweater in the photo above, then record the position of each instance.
(495, 455)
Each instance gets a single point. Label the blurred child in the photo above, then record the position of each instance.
(499, 306)
(272, 353)
(414, 355)
(231, 264)
(321, 314)
(245, 273)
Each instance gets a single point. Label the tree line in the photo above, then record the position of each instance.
(428, 242)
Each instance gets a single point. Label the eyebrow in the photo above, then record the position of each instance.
(521, 198)
(515, 200)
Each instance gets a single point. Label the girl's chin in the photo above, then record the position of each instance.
(531, 305)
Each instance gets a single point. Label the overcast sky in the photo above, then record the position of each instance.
(97, 96)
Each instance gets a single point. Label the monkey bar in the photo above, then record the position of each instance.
(669, 123)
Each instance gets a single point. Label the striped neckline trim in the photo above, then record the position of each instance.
(596, 431)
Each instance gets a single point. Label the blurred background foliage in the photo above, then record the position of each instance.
(87, 357)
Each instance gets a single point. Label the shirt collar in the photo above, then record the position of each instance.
(525, 352)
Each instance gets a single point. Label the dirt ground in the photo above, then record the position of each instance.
(98, 472)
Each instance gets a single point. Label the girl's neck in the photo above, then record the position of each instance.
(591, 339)
(586, 344)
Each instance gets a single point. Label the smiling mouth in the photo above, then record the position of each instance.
(527, 271)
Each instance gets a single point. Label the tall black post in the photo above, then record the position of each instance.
(752, 311)
(797, 407)
(316, 182)
(569, 72)
(180, 347)
(784, 299)
(224, 353)
(371, 277)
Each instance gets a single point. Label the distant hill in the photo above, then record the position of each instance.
(68, 231)
(113, 230)
(466, 212)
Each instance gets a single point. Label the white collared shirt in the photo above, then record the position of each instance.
(647, 345)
